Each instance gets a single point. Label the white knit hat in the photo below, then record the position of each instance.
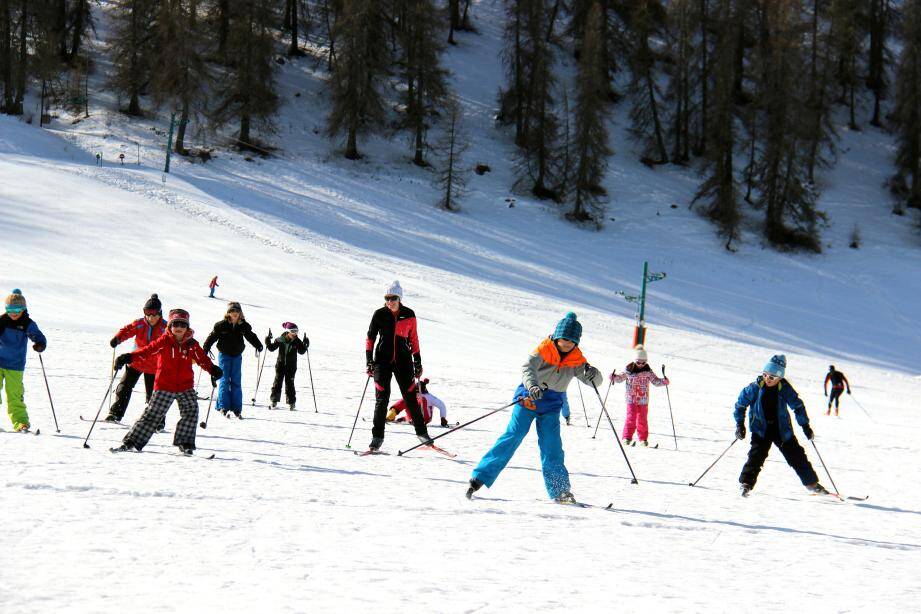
(395, 289)
(639, 353)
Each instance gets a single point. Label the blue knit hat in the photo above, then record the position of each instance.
(568, 328)
(776, 365)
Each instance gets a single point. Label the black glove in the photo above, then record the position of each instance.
(590, 372)
(740, 431)
(38, 347)
(123, 360)
(611, 377)
(113, 343)
(535, 393)
(849, 391)
(808, 432)
(417, 365)
(306, 341)
(216, 374)
(259, 348)
(370, 368)
(826, 393)
(268, 339)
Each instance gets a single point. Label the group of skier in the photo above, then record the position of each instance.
(166, 351)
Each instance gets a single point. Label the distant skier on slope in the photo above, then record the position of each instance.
(638, 376)
(16, 329)
(212, 286)
(396, 354)
(544, 378)
(175, 353)
(229, 334)
(145, 330)
(427, 401)
(769, 396)
(289, 346)
(838, 382)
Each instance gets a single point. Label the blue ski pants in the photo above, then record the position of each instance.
(230, 391)
(556, 478)
(565, 408)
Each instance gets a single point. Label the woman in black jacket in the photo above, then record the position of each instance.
(396, 354)
(229, 334)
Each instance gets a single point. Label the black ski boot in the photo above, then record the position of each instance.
(113, 418)
(376, 443)
(744, 489)
(444, 423)
(475, 485)
(124, 448)
(566, 498)
(818, 489)
(186, 449)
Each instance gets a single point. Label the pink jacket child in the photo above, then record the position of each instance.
(638, 376)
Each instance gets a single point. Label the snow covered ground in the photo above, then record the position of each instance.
(286, 519)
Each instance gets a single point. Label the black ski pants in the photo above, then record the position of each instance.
(407, 383)
(792, 452)
(126, 387)
(285, 375)
(835, 397)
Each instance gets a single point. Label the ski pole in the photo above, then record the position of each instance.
(312, 391)
(604, 410)
(862, 409)
(112, 371)
(258, 375)
(603, 403)
(198, 381)
(830, 479)
(99, 411)
(669, 397)
(367, 381)
(694, 483)
(204, 424)
(42, 362)
(588, 424)
(457, 428)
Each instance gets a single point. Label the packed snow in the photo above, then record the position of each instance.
(286, 518)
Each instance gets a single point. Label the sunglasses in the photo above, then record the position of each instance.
(770, 376)
(178, 325)
(391, 299)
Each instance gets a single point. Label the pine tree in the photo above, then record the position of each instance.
(425, 77)
(248, 92)
(451, 175)
(591, 135)
(719, 189)
(131, 48)
(362, 60)
(879, 56)
(846, 47)
(680, 69)
(781, 181)
(6, 56)
(820, 131)
(182, 76)
(907, 112)
(646, 122)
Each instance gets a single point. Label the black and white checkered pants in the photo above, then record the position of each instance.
(155, 413)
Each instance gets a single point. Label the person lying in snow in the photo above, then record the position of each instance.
(426, 401)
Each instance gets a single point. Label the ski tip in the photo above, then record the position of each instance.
(609, 506)
(209, 457)
(690, 483)
(38, 431)
(399, 452)
(634, 481)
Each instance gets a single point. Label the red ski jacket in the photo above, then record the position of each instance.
(174, 361)
(143, 334)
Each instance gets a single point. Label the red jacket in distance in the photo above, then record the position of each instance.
(143, 334)
(174, 361)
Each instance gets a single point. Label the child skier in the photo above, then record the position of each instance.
(638, 377)
(16, 327)
(212, 286)
(229, 334)
(545, 377)
(838, 382)
(427, 401)
(286, 365)
(175, 352)
(145, 330)
(769, 396)
(396, 354)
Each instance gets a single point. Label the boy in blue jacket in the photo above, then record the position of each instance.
(769, 396)
(16, 328)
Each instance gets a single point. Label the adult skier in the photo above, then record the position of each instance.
(545, 376)
(838, 382)
(229, 334)
(289, 346)
(638, 376)
(768, 397)
(144, 330)
(175, 353)
(16, 330)
(395, 355)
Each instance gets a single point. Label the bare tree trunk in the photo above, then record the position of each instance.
(223, 27)
(293, 49)
(23, 57)
(77, 39)
(6, 55)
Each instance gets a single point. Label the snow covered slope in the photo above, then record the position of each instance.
(286, 519)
